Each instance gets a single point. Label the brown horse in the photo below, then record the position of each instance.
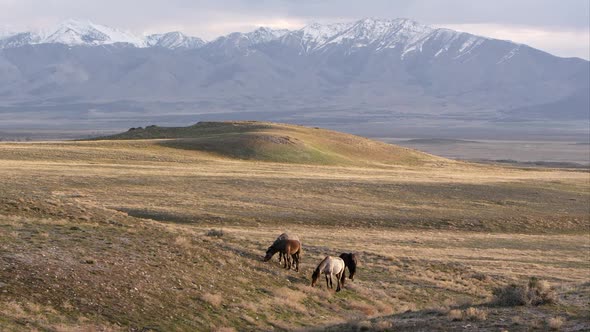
(291, 250)
(285, 236)
(351, 263)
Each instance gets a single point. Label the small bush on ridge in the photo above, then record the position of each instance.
(215, 232)
(536, 292)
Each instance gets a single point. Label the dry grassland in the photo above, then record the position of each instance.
(116, 236)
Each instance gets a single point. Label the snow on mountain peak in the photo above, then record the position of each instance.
(264, 34)
(243, 40)
(173, 40)
(381, 32)
(402, 34)
(316, 34)
(84, 32)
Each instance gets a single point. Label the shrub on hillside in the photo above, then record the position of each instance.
(475, 314)
(555, 323)
(471, 313)
(215, 232)
(536, 292)
(540, 292)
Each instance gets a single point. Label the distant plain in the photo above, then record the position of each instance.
(502, 150)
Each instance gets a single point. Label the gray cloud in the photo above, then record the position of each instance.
(209, 19)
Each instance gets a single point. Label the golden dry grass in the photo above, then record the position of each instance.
(114, 235)
(139, 176)
(555, 323)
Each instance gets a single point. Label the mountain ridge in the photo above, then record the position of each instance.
(368, 73)
(76, 32)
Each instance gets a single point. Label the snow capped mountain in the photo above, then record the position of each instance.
(240, 40)
(386, 33)
(316, 35)
(366, 32)
(19, 39)
(404, 35)
(174, 40)
(367, 65)
(78, 32)
(264, 35)
(74, 32)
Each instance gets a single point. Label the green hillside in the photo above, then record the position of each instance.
(274, 142)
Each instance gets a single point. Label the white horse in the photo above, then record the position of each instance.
(330, 266)
(285, 236)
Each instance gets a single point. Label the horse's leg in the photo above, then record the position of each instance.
(338, 281)
(285, 259)
(289, 263)
(327, 283)
(296, 260)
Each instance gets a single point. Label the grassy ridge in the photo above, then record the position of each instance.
(263, 141)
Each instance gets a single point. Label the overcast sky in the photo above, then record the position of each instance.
(560, 27)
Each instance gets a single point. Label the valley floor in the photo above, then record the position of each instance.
(118, 236)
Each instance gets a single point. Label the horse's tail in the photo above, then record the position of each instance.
(342, 276)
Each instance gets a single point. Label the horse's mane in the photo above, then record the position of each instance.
(322, 263)
(349, 257)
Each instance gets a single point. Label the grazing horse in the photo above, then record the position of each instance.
(285, 236)
(291, 250)
(351, 263)
(330, 266)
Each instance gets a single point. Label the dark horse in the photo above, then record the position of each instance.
(291, 250)
(285, 236)
(351, 262)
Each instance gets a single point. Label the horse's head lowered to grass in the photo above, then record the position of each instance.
(315, 276)
(270, 252)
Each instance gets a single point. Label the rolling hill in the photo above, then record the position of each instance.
(266, 141)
